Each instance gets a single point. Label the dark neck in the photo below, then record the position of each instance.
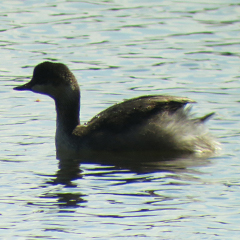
(68, 113)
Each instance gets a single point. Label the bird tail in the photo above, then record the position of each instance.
(204, 118)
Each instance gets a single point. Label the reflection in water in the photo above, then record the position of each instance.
(70, 170)
(121, 171)
(69, 200)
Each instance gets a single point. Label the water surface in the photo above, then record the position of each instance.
(118, 50)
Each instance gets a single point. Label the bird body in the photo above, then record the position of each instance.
(153, 123)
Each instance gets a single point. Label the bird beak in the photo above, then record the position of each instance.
(24, 87)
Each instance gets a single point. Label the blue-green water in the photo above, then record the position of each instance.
(118, 50)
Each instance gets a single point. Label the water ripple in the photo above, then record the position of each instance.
(118, 50)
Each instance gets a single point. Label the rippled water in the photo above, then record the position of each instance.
(118, 50)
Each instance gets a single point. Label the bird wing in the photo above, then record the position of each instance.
(130, 112)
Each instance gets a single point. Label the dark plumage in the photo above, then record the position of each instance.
(145, 124)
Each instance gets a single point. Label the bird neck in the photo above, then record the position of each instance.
(67, 109)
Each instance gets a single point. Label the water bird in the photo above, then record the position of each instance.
(147, 124)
